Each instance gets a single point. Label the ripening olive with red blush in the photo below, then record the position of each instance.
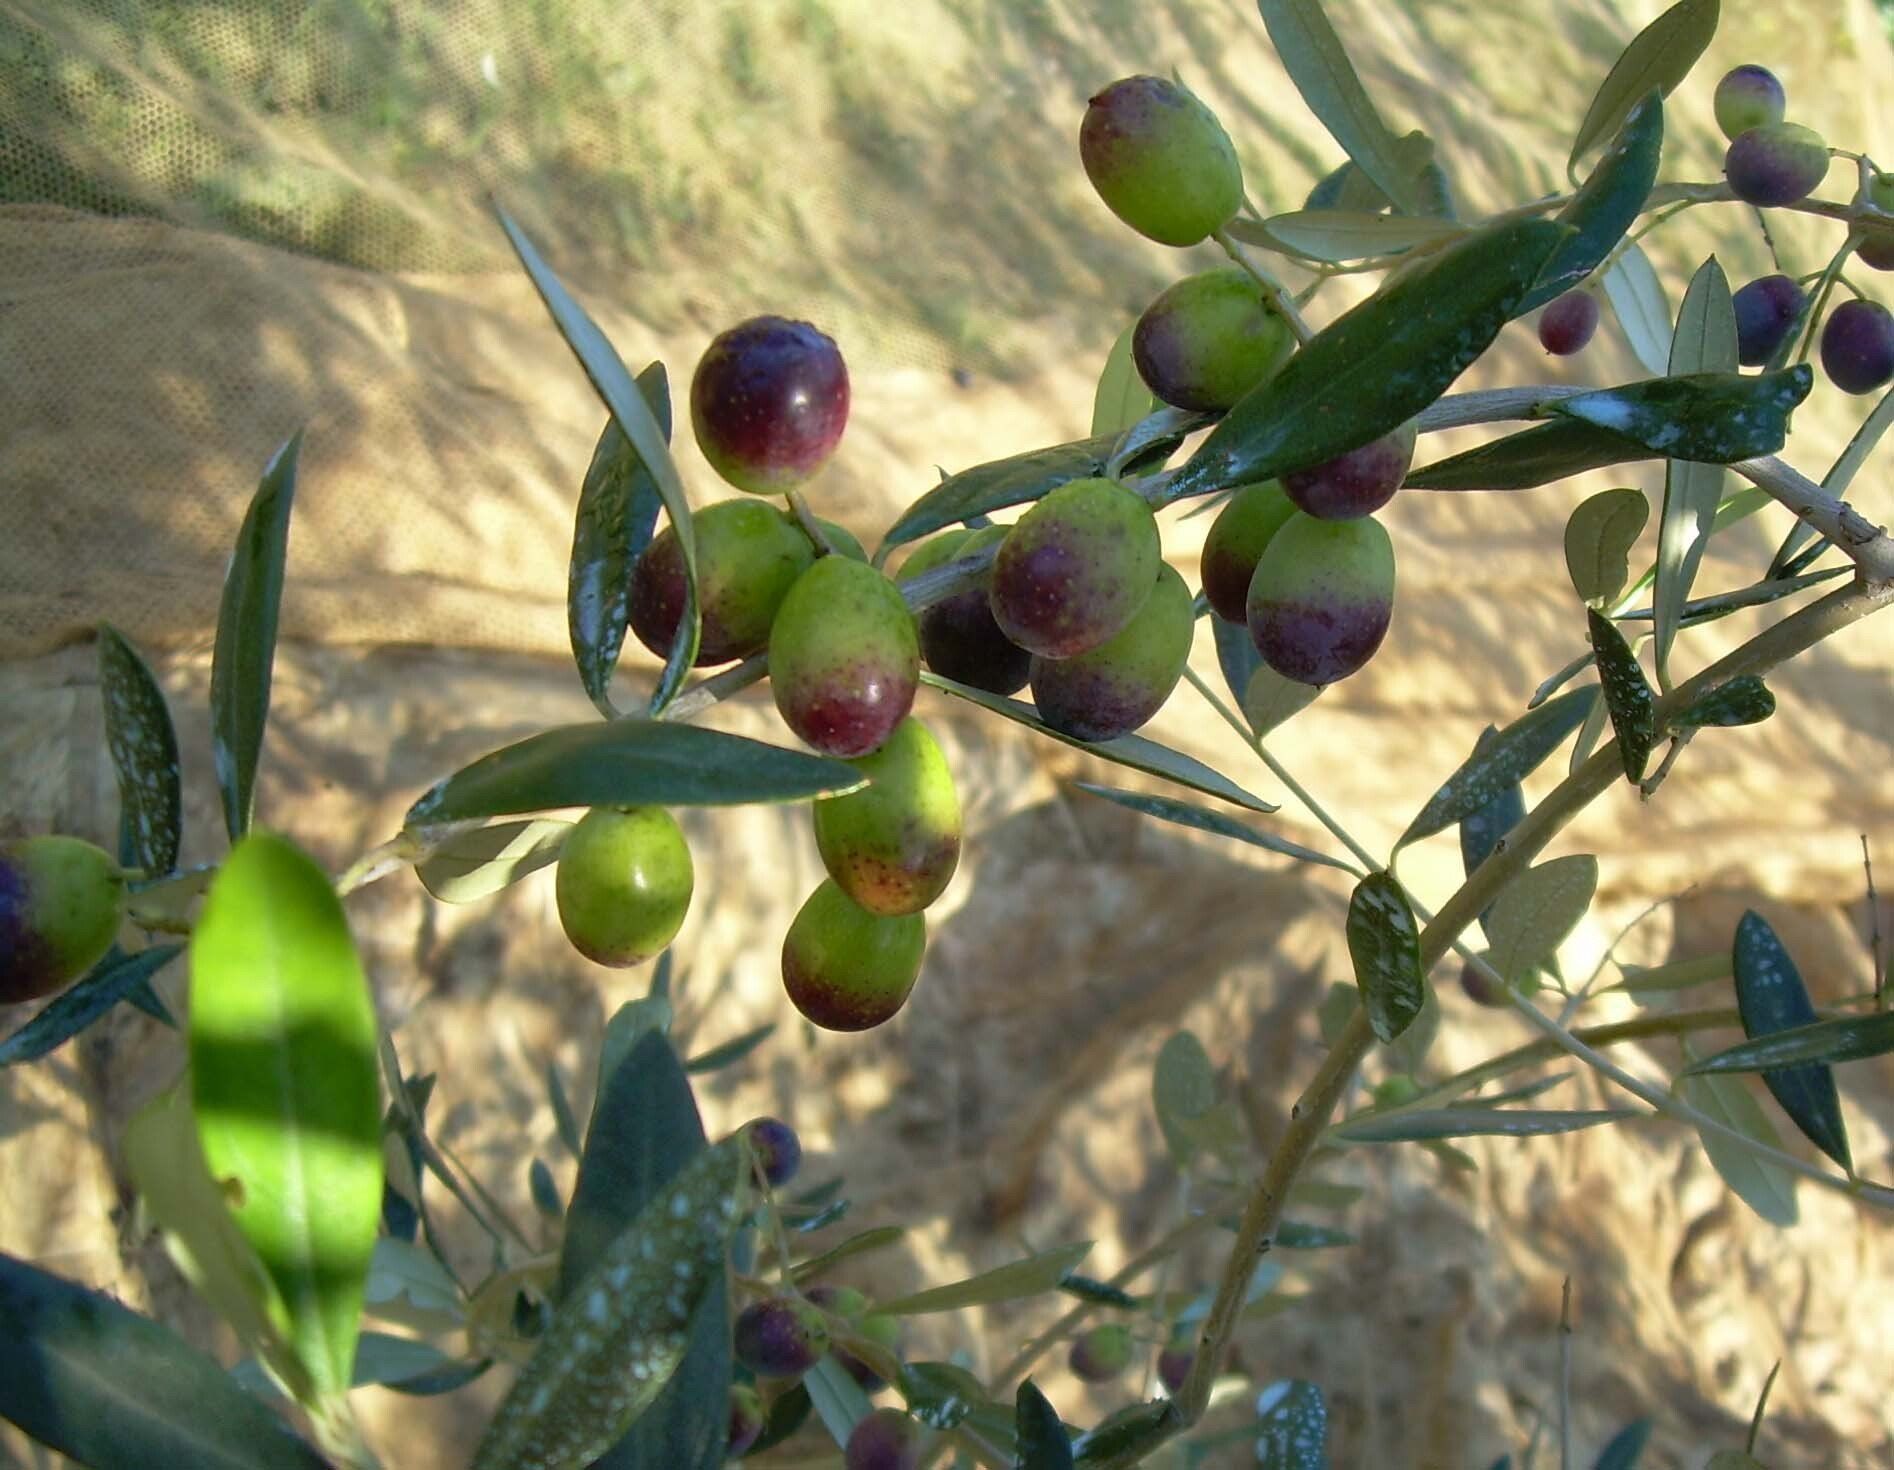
(846, 969)
(1322, 598)
(780, 1337)
(1357, 483)
(844, 657)
(1779, 163)
(749, 554)
(959, 638)
(1748, 96)
(1210, 339)
(1160, 160)
(1075, 569)
(769, 401)
(1114, 688)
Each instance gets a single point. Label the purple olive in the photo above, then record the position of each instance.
(959, 639)
(1173, 1366)
(778, 1150)
(883, 1439)
(1748, 97)
(1236, 542)
(1766, 311)
(1102, 1353)
(1357, 483)
(844, 657)
(747, 1419)
(769, 402)
(1858, 346)
(1481, 989)
(1322, 598)
(749, 555)
(1776, 164)
(780, 1337)
(1075, 568)
(1567, 325)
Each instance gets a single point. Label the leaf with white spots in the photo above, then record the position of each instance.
(144, 749)
(1291, 1426)
(1384, 943)
(1771, 997)
(621, 1332)
(1503, 761)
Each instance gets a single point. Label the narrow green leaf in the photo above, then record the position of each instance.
(245, 647)
(1625, 1447)
(1121, 399)
(1378, 364)
(617, 512)
(1035, 1274)
(1507, 759)
(1043, 1442)
(1598, 541)
(1637, 300)
(452, 1376)
(563, 1118)
(1676, 975)
(1608, 204)
(165, 1163)
(622, 1330)
(1313, 56)
(1537, 910)
(1270, 700)
(1764, 1186)
(1771, 998)
(788, 1412)
(1845, 1039)
(1291, 1426)
(1732, 1460)
(144, 747)
(628, 1027)
(1434, 1123)
(1839, 477)
(1384, 944)
(381, 1358)
(1531, 457)
(399, 1269)
(615, 388)
(1237, 658)
(732, 1051)
(1183, 1091)
(1119, 1431)
(1705, 342)
(868, 1241)
(1341, 234)
(113, 979)
(629, 762)
(838, 1399)
(116, 1391)
(998, 484)
(544, 1189)
(1714, 418)
(1744, 700)
(1134, 751)
(470, 866)
(1184, 814)
(1481, 829)
(1658, 58)
(285, 1089)
(1628, 695)
(1146, 444)
(1298, 1235)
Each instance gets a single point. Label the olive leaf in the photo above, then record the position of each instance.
(1744, 700)
(144, 747)
(1713, 418)
(1339, 234)
(1536, 911)
(1598, 541)
(1528, 458)
(1384, 944)
(1628, 695)
(1637, 299)
(1291, 1426)
(1121, 399)
(1762, 1184)
(1507, 759)
(1771, 997)
(1607, 204)
(1659, 57)
(1844, 1039)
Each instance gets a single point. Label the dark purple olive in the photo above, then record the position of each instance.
(1567, 325)
(1777, 164)
(778, 1150)
(747, 1419)
(1766, 311)
(1858, 346)
(769, 401)
(1173, 1366)
(780, 1337)
(883, 1439)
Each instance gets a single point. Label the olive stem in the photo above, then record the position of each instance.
(1274, 289)
(811, 527)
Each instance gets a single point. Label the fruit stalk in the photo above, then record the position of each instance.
(1278, 293)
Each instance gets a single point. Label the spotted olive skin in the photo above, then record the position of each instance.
(884, 1439)
(1102, 1353)
(959, 639)
(1322, 598)
(893, 845)
(61, 902)
(1858, 346)
(769, 401)
(846, 969)
(1114, 688)
(1776, 164)
(749, 554)
(747, 1419)
(844, 657)
(780, 1337)
(1075, 569)
(1236, 540)
(1748, 96)
(1766, 310)
(1568, 324)
(1209, 339)
(1357, 483)
(778, 1150)
(1173, 1366)
(624, 884)
(1160, 160)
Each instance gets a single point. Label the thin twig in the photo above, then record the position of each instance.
(1565, 1376)
(1875, 954)
(1278, 294)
